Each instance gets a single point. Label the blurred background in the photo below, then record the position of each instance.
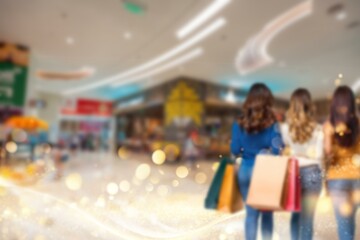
(117, 110)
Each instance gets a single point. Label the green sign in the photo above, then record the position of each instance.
(12, 84)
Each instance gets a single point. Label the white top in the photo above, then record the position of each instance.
(308, 153)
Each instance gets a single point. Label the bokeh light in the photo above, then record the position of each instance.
(73, 181)
(124, 186)
(143, 171)
(346, 209)
(123, 153)
(200, 178)
(162, 190)
(158, 157)
(112, 188)
(215, 166)
(324, 205)
(182, 172)
(175, 183)
(356, 160)
(100, 202)
(11, 147)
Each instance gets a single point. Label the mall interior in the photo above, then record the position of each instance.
(115, 114)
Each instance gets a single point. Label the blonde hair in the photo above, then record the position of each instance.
(300, 116)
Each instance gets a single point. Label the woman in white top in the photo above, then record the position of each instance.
(303, 138)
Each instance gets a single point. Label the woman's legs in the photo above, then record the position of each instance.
(302, 222)
(252, 215)
(341, 192)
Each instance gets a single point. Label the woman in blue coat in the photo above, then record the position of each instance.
(256, 132)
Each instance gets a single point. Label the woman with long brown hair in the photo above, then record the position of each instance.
(304, 139)
(342, 147)
(256, 132)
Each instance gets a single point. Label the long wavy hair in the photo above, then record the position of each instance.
(257, 111)
(301, 116)
(343, 117)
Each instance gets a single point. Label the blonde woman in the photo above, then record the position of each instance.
(304, 138)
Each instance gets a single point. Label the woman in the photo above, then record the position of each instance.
(304, 138)
(342, 146)
(256, 132)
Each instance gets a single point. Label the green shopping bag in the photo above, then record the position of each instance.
(212, 197)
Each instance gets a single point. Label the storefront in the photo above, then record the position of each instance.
(166, 115)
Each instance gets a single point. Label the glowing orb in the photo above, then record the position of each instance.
(162, 190)
(182, 172)
(200, 178)
(123, 153)
(124, 186)
(143, 171)
(73, 181)
(112, 188)
(175, 183)
(11, 147)
(158, 157)
(215, 166)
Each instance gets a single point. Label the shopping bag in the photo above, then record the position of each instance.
(230, 199)
(268, 183)
(293, 187)
(212, 197)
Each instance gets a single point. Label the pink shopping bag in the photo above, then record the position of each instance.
(293, 187)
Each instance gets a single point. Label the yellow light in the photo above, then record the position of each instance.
(100, 202)
(11, 147)
(84, 201)
(73, 181)
(39, 237)
(356, 160)
(143, 171)
(124, 186)
(175, 183)
(324, 205)
(149, 187)
(112, 188)
(154, 180)
(162, 190)
(123, 153)
(346, 209)
(158, 157)
(182, 172)
(200, 178)
(215, 166)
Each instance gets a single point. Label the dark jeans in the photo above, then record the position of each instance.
(252, 215)
(302, 222)
(343, 195)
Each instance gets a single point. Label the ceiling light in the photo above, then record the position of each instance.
(179, 61)
(217, 24)
(340, 75)
(341, 15)
(70, 40)
(254, 54)
(200, 19)
(127, 35)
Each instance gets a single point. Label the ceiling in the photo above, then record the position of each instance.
(68, 35)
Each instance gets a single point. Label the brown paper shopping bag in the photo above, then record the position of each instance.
(268, 183)
(230, 199)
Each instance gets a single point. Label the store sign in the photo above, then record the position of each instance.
(13, 74)
(130, 102)
(183, 106)
(87, 107)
